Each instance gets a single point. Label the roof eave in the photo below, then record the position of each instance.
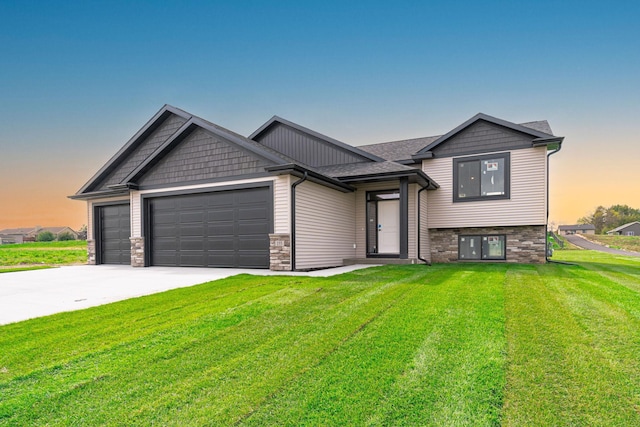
(551, 142)
(487, 118)
(418, 176)
(100, 194)
(300, 171)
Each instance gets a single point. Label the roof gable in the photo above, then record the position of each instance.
(486, 133)
(623, 226)
(307, 146)
(160, 136)
(155, 132)
(208, 156)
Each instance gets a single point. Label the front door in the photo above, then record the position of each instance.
(389, 226)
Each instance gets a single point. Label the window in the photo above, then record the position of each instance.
(481, 178)
(490, 247)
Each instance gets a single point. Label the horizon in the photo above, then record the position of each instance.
(80, 79)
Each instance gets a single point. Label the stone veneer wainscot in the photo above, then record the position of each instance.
(525, 244)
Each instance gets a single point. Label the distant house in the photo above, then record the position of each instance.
(29, 234)
(577, 229)
(629, 229)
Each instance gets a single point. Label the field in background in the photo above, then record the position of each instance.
(627, 243)
(27, 256)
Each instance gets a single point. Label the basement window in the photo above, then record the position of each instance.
(482, 248)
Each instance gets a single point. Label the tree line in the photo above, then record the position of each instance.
(605, 219)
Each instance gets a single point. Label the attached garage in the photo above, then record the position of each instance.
(214, 229)
(113, 229)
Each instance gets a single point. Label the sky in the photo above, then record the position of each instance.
(79, 78)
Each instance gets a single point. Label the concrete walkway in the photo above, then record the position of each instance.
(583, 243)
(28, 294)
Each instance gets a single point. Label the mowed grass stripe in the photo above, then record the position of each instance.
(573, 347)
(435, 357)
(196, 355)
(101, 328)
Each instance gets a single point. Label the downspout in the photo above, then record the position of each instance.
(419, 222)
(293, 219)
(546, 225)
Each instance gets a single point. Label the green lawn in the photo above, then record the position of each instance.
(466, 344)
(27, 256)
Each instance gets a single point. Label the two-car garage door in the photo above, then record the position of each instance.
(218, 229)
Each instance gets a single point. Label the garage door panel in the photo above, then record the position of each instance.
(114, 230)
(254, 227)
(192, 244)
(191, 230)
(253, 260)
(163, 217)
(248, 243)
(220, 214)
(252, 212)
(218, 229)
(221, 259)
(221, 243)
(196, 216)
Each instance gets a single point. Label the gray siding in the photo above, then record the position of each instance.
(148, 146)
(202, 156)
(483, 137)
(305, 148)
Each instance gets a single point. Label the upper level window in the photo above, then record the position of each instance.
(481, 178)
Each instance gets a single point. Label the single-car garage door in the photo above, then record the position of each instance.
(114, 228)
(221, 229)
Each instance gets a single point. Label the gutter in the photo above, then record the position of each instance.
(293, 219)
(546, 225)
(419, 222)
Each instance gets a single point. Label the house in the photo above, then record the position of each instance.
(186, 192)
(29, 234)
(577, 229)
(629, 229)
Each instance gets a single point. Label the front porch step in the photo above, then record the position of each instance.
(381, 261)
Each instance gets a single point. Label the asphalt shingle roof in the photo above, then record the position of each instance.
(368, 168)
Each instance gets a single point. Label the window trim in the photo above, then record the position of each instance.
(482, 236)
(507, 177)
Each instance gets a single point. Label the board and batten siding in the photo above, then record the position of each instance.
(325, 226)
(91, 204)
(528, 198)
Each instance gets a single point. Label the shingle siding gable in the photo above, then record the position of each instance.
(202, 156)
(168, 127)
(483, 137)
(305, 148)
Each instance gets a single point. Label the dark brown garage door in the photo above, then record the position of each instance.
(221, 229)
(114, 228)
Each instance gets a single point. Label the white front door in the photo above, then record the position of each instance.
(389, 226)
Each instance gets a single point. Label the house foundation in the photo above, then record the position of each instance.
(137, 251)
(280, 252)
(526, 244)
(91, 252)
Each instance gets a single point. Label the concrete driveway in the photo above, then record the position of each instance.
(28, 294)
